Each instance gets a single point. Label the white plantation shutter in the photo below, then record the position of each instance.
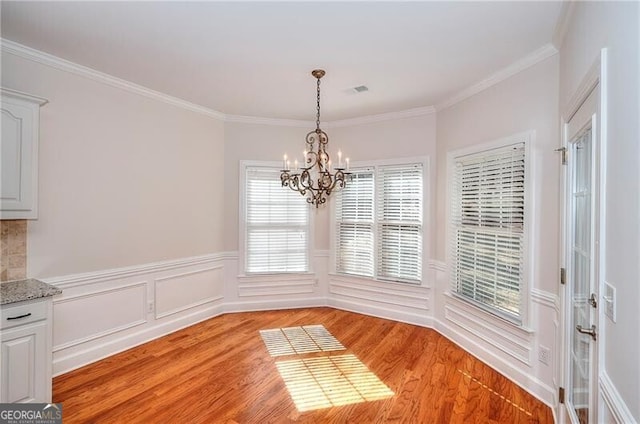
(378, 219)
(399, 201)
(277, 224)
(354, 225)
(488, 229)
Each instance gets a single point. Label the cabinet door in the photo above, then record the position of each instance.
(19, 156)
(23, 350)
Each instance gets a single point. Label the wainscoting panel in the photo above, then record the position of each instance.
(273, 291)
(172, 296)
(402, 302)
(267, 285)
(613, 401)
(514, 342)
(81, 318)
(511, 350)
(102, 313)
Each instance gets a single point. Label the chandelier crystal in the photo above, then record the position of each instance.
(314, 179)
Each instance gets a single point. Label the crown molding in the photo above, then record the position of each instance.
(16, 49)
(50, 60)
(409, 113)
(47, 59)
(279, 122)
(562, 24)
(526, 62)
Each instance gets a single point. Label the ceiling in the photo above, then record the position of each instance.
(255, 58)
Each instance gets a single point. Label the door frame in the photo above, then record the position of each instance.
(596, 78)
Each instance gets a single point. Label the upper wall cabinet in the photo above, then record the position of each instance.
(19, 155)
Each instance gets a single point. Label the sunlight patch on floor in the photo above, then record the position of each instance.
(327, 381)
(298, 340)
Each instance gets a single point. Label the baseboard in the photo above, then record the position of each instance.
(543, 392)
(97, 352)
(614, 401)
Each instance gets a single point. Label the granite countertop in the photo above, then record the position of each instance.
(17, 291)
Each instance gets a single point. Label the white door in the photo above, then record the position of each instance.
(582, 257)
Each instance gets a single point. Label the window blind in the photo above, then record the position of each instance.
(399, 200)
(354, 225)
(378, 220)
(488, 229)
(277, 224)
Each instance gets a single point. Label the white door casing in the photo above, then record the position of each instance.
(582, 248)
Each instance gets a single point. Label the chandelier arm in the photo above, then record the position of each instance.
(312, 159)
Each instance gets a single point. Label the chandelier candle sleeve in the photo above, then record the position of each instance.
(314, 178)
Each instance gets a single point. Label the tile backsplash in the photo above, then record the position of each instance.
(13, 250)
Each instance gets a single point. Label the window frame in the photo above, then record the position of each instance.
(242, 222)
(370, 226)
(527, 139)
(424, 161)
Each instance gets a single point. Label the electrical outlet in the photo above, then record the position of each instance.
(609, 301)
(150, 307)
(544, 355)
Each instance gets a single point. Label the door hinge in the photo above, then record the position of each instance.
(561, 394)
(563, 152)
(563, 276)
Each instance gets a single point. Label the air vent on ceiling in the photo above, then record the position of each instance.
(360, 88)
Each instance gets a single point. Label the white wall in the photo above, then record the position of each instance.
(123, 180)
(615, 26)
(391, 139)
(527, 101)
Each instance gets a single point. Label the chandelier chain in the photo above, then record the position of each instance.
(318, 106)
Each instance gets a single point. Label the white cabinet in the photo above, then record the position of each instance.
(25, 348)
(19, 155)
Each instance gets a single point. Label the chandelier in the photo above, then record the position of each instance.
(314, 178)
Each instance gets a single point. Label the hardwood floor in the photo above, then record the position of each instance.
(219, 371)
